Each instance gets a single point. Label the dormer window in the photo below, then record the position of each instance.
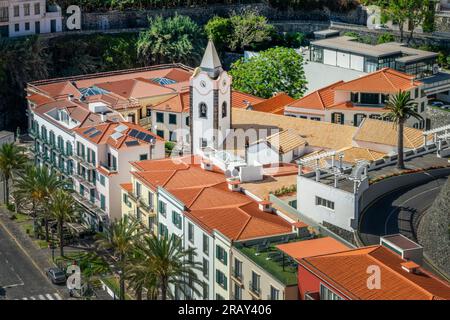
(203, 110)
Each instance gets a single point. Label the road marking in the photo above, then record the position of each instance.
(49, 296)
(41, 297)
(24, 251)
(45, 296)
(402, 204)
(58, 297)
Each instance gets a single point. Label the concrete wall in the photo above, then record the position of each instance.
(138, 18)
(387, 185)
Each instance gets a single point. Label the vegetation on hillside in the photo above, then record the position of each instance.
(177, 39)
(103, 5)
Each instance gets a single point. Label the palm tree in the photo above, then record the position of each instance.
(39, 183)
(63, 208)
(401, 107)
(12, 159)
(118, 240)
(141, 276)
(170, 265)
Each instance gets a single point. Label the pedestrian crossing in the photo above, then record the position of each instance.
(44, 296)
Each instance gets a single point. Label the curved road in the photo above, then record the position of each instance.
(395, 211)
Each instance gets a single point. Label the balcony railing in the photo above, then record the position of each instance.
(107, 167)
(254, 290)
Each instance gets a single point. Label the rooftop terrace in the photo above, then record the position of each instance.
(274, 261)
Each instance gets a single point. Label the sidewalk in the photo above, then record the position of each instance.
(37, 255)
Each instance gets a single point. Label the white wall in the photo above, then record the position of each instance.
(262, 153)
(343, 60)
(329, 57)
(344, 203)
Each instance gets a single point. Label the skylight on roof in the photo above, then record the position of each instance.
(121, 128)
(163, 81)
(116, 135)
(92, 91)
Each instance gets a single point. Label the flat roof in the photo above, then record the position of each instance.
(400, 241)
(326, 32)
(349, 44)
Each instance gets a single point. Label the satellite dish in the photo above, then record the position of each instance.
(235, 172)
(228, 174)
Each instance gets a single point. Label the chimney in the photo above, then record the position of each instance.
(265, 206)
(206, 165)
(70, 97)
(234, 185)
(410, 266)
(103, 117)
(300, 228)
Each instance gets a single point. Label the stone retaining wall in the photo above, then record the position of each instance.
(138, 18)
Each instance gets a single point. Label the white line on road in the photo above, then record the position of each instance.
(41, 297)
(49, 296)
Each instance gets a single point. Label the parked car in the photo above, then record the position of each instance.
(381, 27)
(437, 104)
(56, 275)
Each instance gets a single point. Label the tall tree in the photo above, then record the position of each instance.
(400, 108)
(63, 209)
(118, 240)
(169, 40)
(39, 183)
(274, 70)
(170, 266)
(12, 159)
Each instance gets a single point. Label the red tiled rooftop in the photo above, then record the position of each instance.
(275, 104)
(385, 80)
(347, 272)
(314, 247)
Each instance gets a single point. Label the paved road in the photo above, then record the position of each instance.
(394, 212)
(19, 278)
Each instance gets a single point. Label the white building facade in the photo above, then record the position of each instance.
(25, 17)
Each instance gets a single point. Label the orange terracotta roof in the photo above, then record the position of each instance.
(319, 99)
(135, 88)
(174, 73)
(108, 129)
(243, 222)
(314, 247)
(127, 186)
(347, 272)
(385, 80)
(181, 102)
(275, 104)
(39, 99)
(178, 103)
(241, 100)
(384, 132)
(60, 89)
(208, 200)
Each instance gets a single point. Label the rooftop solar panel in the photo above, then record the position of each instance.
(89, 130)
(141, 135)
(132, 143)
(133, 133)
(96, 133)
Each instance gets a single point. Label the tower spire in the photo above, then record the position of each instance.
(211, 62)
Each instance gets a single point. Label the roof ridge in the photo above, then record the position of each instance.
(400, 274)
(387, 79)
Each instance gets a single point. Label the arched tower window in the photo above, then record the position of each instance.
(202, 110)
(224, 109)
